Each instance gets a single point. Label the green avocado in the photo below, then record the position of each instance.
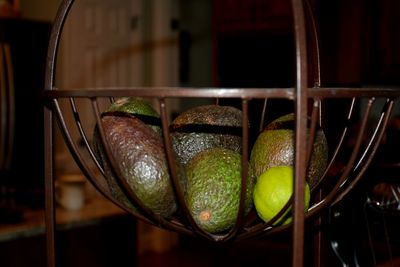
(204, 127)
(213, 188)
(138, 107)
(275, 147)
(139, 153)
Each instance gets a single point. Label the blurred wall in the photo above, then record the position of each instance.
(39, 9)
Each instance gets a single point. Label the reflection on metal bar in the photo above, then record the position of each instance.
(3, 110)
(11, 104)
(7, 107)
(299, 94)
(83, 135)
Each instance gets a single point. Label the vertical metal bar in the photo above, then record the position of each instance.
(174, 172)
(83, 135)
(245, 158)
(312, 132)
(319, 238)
(245, 171)
(50, 216)
(11, 104)
(301, 132)
(339, 144)
(264, 109)
(314, 43)
(370, 150)
(384, 117)
(50, 219)
(3, 111)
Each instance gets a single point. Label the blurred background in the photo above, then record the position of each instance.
(188, 43)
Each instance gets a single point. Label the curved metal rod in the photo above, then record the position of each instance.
(83, 135)
(311, 135)
(174, 173)
(314, 44)
(49, 83)
(380, 127)
(70, 142)
(115, 169)
(79, 159)
(263, 227)
(358, 142)
(266, 227)
(123, 184)
(315, 55)
(301, 131)
(339, 145)
(371, 149)
(179, 193)
(245, 171)
(267, 230)
(49, 175)
(3, 113)
(264, 110)
(213, 92)
(11, 104)
(332, 194)
(58, 25)
(302, 156)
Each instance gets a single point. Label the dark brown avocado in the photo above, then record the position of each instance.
(131, 131)
(205, 127)
(139, 154)
(275, 147)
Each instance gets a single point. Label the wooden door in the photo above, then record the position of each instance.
(118, 43)
(101, 43)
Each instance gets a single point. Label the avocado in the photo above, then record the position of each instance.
(133, 105)
(275, 147)
(138, 107)
(204, 127)
(139, 153)
(213, 188)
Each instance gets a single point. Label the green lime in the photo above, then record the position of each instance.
(273, 190)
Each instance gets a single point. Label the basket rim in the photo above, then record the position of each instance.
(213, 92)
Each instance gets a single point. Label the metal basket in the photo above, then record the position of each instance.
(340, 182)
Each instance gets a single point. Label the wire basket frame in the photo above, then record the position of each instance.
(301, 95)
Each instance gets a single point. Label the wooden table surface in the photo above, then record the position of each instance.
(95, 210)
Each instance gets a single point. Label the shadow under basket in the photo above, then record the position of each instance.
(356, 135)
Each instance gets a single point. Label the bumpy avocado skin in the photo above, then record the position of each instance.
(139, 154)
(133, 105)
(205, 127)
(138, 150)
(136, 106)
(275, 147)
(213, 188)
